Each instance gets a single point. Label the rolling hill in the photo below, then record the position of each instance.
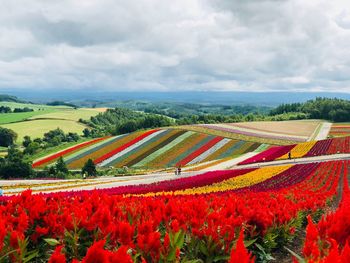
(44, 118)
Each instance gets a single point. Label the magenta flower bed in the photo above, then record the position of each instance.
(269, 155)
(320, 148)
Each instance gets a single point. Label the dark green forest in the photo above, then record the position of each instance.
(336, 110)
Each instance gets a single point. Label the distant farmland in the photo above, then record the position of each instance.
(44, 118)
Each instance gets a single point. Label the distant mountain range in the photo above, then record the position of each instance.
(252, 98)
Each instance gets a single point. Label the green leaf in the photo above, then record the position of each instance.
(248, 243)
(203, 248)
(172, 255)
(7, 254)
(180, 239)
(171, 238)
(30, 256)
(299, 258)
(51, 241)
(220, 258)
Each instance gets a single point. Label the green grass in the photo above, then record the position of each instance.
(37, 128)
(69, 114)
(55, 149)
(21, 116)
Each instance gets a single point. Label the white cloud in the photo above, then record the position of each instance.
(218, 45)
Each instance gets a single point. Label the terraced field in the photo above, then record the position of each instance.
(152, 149)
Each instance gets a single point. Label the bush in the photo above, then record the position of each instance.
(7, 137)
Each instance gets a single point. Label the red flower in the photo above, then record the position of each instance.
(240, 254)
(121, 256)
(97, 254)
(57, 256)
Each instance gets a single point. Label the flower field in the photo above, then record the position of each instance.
(193, 219)
(339, 130)
(307, 149)
(236, 132)
(152, 149)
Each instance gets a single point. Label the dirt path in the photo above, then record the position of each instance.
(323, 133)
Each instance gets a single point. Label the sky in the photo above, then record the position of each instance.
(182, 45)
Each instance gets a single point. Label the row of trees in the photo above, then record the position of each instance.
(336, 110)
(119, 121)
(50, 139)
(5, 109)
(17, 165)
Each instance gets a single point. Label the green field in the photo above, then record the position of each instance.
(37, 128)
(68, 114)
(21, 116)
(43, 119)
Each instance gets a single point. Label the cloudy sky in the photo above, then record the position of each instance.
(157, 45)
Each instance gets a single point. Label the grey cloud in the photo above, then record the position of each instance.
(181, 45)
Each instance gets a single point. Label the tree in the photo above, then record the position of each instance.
(7, 137)
(55, 137)
(86, 132)
(89, 168)
(32, 148)
(15, 166)
(61, 166)
(26, 141)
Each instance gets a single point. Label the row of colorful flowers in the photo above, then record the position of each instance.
(99, 227)
(156, 148)
(241, 136)
(307, 149)
(329, 239)
(340, 129)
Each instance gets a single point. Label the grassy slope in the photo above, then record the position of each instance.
(37, 128)
(21, 116)
(43, 119)
(69, 114)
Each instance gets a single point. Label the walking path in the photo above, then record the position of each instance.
(323, 133)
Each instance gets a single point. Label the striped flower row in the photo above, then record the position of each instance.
(157, 148)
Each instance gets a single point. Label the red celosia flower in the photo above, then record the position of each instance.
(240, 253)
(310, 247)
(97, 254)
(57, 256)
(121, 256)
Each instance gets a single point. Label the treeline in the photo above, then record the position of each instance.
(5, 109)
(61, 103)
(336, 110)
(119, 121)
(51, 139)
